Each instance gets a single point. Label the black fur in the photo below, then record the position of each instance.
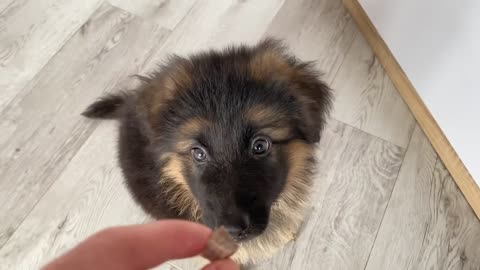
(107, 107)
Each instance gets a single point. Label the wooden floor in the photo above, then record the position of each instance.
(383, 199)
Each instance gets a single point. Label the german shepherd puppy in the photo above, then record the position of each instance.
(224, 138)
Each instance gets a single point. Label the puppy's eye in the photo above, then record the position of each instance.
(199, 154)
(261, 146)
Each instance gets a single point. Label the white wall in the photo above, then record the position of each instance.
(437, 43)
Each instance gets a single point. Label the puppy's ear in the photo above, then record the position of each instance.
(272, 62)
(107, 107)
(171, 79)
(314, 99)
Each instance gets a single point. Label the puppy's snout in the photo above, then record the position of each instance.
(237, 224)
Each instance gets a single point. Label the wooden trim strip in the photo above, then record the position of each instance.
(425, 119)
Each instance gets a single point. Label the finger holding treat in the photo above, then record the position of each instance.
(142, 247)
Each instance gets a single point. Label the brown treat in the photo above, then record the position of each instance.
(220, 245)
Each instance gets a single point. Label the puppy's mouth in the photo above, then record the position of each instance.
(242, 225)
(241, 235)
(244, 235)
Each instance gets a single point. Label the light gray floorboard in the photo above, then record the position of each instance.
(428, 223)
(42, 131)
(366, 98)
(374, 207)
(31, 32)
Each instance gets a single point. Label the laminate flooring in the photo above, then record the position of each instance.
(382, 198)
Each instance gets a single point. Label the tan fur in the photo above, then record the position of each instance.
(277, 134)
(192, 127)
(176, 187)
(188, 131)
(177, 190)
(276, 128)
(177, 78)
(269, 64)
(184, 145)
(259, 115)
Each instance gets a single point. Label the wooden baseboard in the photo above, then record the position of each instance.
(425, 119)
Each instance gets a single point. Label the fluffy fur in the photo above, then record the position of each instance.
(227, 104)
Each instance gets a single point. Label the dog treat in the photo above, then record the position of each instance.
(220, 245)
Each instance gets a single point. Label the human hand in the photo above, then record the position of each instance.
(140, 247)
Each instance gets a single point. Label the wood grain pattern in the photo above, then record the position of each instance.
(356, 176)
(320, 31)
(60, 182)
(6, 3)
(31, 32)
(431, 128)
(366, 98)
(428, 223)
(216, 24)
(166, 13)
(42, 130)
(88, 196)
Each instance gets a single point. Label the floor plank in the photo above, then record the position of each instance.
(42, 131)
(216, 24)
(31, 32)
(5, 4)
(316, 30)
(88, 196)
(60, 182)
(428, 223)
(357, 173)
(165, 13)
(366, 98)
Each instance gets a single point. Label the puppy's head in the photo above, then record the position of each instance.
(232, 132)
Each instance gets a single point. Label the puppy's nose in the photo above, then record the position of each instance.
(238, 226)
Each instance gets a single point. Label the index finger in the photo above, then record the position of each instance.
(136, 247)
